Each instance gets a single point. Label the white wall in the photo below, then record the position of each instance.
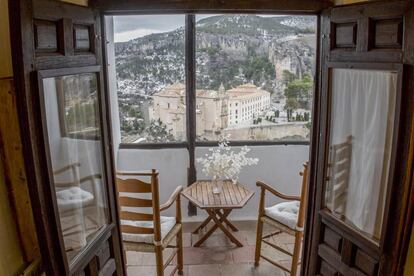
(278, 166)
(172, 166)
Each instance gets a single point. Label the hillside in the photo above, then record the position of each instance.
(231, 49)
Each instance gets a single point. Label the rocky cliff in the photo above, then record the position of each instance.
(231, 50)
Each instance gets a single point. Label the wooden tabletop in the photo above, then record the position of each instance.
(232, 196)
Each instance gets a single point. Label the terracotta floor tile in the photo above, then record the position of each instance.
(237, 270)
(217, 239)
(134, 258)
(245, 225)
(204, 270)
(148, 258)
(250, 237)
(186, 239)
(272, 253)
(141, 270)
(193, 256)
(219, 256)
(249, 270)
(267, 269)
(243, 254)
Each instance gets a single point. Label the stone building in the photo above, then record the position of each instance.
(215, 110)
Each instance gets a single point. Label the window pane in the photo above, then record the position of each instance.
(362, 121)
(149, 52)
(77, 106)
(72, 119)
(254, 76)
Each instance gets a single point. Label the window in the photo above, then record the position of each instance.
(149, 52)
(252, 59)
(254, 77)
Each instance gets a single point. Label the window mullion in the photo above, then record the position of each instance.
(190, 78)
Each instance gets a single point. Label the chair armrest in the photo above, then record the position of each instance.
(275, 192)
(172, 199)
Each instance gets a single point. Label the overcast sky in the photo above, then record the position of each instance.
(134, 26)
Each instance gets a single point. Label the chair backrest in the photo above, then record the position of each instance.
(337, 182)
(134, 186)
(303, 196)
(72, 169)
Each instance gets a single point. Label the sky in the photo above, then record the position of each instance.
(129, 27)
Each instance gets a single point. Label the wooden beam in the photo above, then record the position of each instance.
(14, 169)
(211, 6)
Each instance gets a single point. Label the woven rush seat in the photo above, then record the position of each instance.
(150, 247)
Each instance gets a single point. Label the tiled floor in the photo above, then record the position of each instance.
(218, 256)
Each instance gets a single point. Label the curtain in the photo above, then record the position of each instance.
(363, 107)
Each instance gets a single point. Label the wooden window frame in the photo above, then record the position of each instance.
(190, 90)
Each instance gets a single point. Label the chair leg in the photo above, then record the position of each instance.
(180, 262)
(296, 253)
(159, 260)
(259, 235)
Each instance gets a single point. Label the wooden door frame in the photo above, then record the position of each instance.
(25, 64)
(398, 229)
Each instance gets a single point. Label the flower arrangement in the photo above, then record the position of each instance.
(224, 163)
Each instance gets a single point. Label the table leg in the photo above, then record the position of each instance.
(219, 223)
(213, 228)
(226, 221)
(202, 225)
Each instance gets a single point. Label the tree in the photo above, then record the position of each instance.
(125, 126)
(138, 126)
(300, 90)
(157, 132)
(291, 105)
(306, 116)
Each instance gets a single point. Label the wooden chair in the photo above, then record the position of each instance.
(143, 232)
(286, 217)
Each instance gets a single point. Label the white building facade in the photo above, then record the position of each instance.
(246, 103)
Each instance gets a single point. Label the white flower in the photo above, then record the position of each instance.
(223, 162)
